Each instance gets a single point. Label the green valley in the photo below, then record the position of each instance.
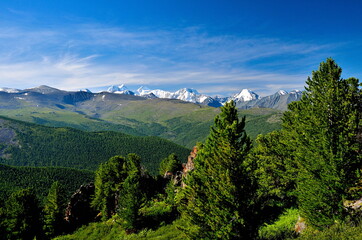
(26, 144)
(181, 122)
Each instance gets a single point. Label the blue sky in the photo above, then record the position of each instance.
(216, 47)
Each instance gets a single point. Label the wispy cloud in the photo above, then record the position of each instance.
(91, 55)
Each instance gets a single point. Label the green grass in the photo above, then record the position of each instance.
(111, 230)
(282, 228)
(339, 231)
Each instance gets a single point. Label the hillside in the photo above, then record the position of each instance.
(181, 122)
(40, 179)
(25, 144)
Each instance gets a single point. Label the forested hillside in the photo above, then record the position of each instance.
(40, 179)
(25, 144)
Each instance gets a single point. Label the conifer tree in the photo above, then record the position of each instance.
(111, 179)
(22, 216)
(275, 173)
(55, 204)
(108, 180)
(130, 194)
(323, 129)
(219, 190)
(170, 164)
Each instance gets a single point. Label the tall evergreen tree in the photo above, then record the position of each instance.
(275, 173)
(219, 190)
(55, 204)
(130, 195)
(108, 180)
(22, 216)
(323, 129)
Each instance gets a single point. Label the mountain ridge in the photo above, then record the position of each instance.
(244, 99)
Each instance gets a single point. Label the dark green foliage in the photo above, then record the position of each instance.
(272, 159)
(47, 146)
(21, 216)
(323, 129)
(53, 213)
(131, 196)
(41, 179)
(219, 190)
(111, 178)
(108, 180)
(170, 164)
(130, 200)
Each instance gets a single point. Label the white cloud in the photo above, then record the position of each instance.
(80, 56)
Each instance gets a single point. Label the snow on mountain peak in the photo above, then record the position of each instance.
(121, 89)
(244, 96)
(85, 90)
(9, 90)
(282, 92)
(115, 88)
(143, 91)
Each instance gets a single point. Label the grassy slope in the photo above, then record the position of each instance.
(181, 122)
(66, 147)
(112, 230)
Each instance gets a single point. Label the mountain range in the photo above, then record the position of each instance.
(244, 99)
(182, 122)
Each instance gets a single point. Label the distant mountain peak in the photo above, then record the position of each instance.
(244, 96)
(10, 90)
(85, 90)
(282, 92)
(43, 89)
(120, 89)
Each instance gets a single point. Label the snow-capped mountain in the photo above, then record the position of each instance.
(184, 94)
(244, 96)
(121, 89)
(244, 99)
(85, 90)
(278, 100)
(10, 90)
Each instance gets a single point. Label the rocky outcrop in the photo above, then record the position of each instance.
(79, 211)
(300, 226)
(189, 166)
(354, 207)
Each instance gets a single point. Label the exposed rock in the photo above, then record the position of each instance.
(79, 211)
(300, 226)
(354, 207)
(189, 166)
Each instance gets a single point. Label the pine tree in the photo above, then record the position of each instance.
(323, 129)
(55, 204)
(22, 215)
(108, 180)
(170, 164)
(219, 190)
(130, 202)
(275, 173)
(130, 195)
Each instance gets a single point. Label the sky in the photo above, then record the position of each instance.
(218, 47)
